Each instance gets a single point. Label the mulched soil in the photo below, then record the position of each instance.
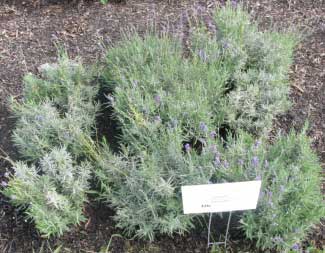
(29, 37)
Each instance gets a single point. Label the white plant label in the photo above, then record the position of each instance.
(225, 197)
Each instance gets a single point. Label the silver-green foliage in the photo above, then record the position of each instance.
(57, 109)
(257, 64)
(169, 109)
(54, 128)
(152, 81)
(291, 201)
(145, 187)
(53, 192)
(160, 101)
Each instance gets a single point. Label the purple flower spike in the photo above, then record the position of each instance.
(295, 247)
(213, 134)
(255, 161)
(217, 161)
(203, 127)
(258, 177)
(39, 118)
(234, 3)
(257, 144)
(225, 45)
(157, 99)
(187, 147)
(225, 164)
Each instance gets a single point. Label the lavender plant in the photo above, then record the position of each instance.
(53, 192)
(243, 158)
(145, 188)
(149, 77)
(291, 201)
(53, 134)
(159, 100)
(57, 110)
(170, 108)
(255, 66)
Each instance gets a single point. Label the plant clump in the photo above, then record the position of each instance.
(53, 134)
(53, 193)
(170, 110)
(290, 202)
(57, 109)
(183, 120)
(254, 66)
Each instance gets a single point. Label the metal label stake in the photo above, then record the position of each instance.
(218, 198)
(226, 236)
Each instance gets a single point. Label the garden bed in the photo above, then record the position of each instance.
(28, 40)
